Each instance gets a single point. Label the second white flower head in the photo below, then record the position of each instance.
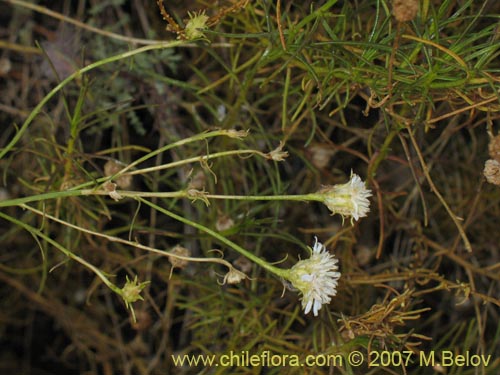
(316, 278)
(349, 199)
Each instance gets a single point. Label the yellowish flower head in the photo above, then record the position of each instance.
(195, 25)
(132, 289)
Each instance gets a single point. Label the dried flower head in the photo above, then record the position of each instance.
(492, 171)
(278, 154)
(178, 262)
(243, 264)
(494, 148)
(404, 10)
(321, 155)
(5, 66)
(316, 278)
(223, 223)
(233, 276)
(110, 187)
(350, 199)
(197, 180)
(111, 168)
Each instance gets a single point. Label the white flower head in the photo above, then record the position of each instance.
(349, 199)
(316, 278)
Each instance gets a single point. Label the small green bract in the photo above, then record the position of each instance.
(131, 292)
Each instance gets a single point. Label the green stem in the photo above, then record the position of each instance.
(197, 137)
(76, 75)
(298, 197)
(87, 192)
(74, 130)
(125, 242)
(79, 189)
(194, 160)
(43, 197)
(36, 232)
(277, 271)
(169, 194)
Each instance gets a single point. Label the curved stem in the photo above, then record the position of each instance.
(76, 75)
(36, 232)
(128, 242)
(277, 271)
(194, 160)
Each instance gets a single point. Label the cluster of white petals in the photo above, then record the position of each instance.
(316, 278)
(349, 199)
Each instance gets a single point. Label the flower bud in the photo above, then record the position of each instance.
(131, 291)
(404, 10)
(492, 171)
